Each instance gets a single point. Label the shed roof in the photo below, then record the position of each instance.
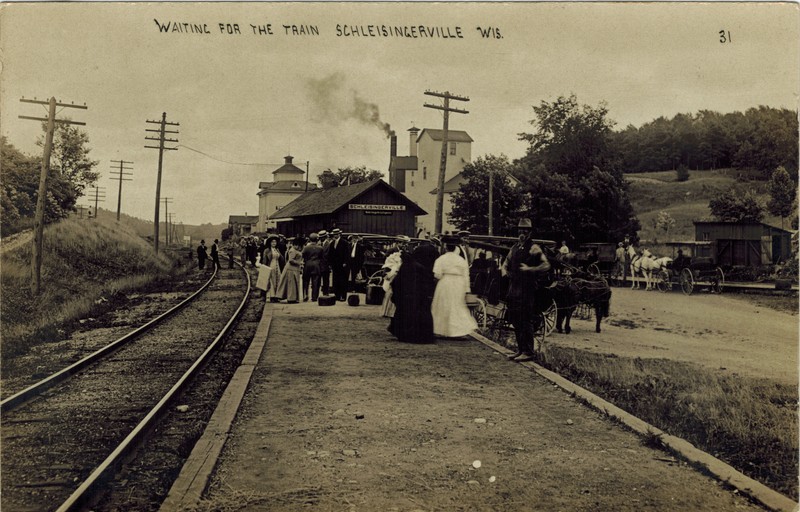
(243, 219)
(452, 135)
(326, 201)
(450, 185)
(284, 186)
(403, 163)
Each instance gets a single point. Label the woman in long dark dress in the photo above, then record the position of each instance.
(411, 290)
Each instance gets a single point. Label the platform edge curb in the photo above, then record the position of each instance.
(195, 475)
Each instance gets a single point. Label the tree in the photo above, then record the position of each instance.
(471, 200)
(782, 191)
(347, 176)
(570, 138)
(731, 206)
(665, 222)
(570, 171)
(71, 170)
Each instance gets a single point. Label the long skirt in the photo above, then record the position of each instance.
(268, 279)
(451, 316)
(387, 307)
(291, 285)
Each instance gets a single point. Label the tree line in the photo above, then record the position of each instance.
(761, 138)
(570, 181)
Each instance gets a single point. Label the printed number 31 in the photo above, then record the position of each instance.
(724, 36)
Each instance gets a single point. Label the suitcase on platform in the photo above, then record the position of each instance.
(375, 295)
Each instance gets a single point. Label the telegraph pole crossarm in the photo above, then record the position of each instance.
(447, 109)
(121, 177)
(38, 223)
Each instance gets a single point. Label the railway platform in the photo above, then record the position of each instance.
(338, 415)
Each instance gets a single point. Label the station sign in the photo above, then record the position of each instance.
(378, 207)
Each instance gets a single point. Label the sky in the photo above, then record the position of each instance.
(245, 100)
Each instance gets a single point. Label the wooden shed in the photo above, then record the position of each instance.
(744, 243)
(369, 207)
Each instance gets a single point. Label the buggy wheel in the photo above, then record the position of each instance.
(662, 281)
(687, 281)
(718, 281)
(478, 310)
(547, 322)
(594, 270)
(615, 279)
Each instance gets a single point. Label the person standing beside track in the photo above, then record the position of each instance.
(215, 254)
(325, 270)
(290, 287)
(313, 256)
(338, 258)
(202, 255)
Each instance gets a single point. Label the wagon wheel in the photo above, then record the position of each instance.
(687, 281)
(662, 281)
(478, 310)
(718, 281)
(594, 270)
(616, 277)
(546, 325)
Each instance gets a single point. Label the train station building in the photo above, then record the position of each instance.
(744, 243)
(369, 207)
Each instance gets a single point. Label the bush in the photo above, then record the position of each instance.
(682, 173)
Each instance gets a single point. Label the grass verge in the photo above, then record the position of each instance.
(85, 264)
(751, 424)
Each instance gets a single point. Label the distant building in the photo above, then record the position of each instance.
(417, 174)
(369, 207)
(242, 224)
(744, 243)
(288, 183)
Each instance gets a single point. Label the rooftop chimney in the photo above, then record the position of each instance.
(288, 159)
(393, 146)
(412, 141)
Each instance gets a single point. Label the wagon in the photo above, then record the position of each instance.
(693, 272)
(486, 302)
(604, 265)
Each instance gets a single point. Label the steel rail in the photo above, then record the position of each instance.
(38, 388)
(83, 494)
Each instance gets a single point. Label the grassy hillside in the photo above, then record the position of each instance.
(144, 227)
(685, 201)
(82, 261)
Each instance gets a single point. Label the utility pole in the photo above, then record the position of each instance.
(120, 173)
(307, 175)
(447, 96)
(38, 223)
(491, 202)
(99, 196)
(171, 229)
(166, 201)
(162, 131)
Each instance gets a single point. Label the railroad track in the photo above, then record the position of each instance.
(65, 436)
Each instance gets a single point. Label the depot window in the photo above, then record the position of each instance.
(452, 148)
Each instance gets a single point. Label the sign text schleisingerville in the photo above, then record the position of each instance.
(343, 30)
(382, 207)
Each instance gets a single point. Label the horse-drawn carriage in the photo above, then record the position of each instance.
(690, 271)
(598, 259)
(486, 255)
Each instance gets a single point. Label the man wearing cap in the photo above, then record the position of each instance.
(523, 229)
(528, 270)
(313, 254)
(338, 258)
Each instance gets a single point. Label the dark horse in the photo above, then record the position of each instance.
(570, 292)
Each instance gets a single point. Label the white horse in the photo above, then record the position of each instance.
(646, 264)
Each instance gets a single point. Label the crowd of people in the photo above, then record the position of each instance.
(425, 293)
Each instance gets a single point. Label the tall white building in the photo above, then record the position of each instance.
(417, 174)
(288, 182)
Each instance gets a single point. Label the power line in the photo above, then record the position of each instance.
(162, 131)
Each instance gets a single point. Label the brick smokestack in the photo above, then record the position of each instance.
(412, 141)
(393, 145)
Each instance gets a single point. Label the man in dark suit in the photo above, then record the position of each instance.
(215, 253)
(313, 256)
(356, 259)
(202, 255)
(338, 258)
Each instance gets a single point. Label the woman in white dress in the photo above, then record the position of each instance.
(451, 316)
(269, 273)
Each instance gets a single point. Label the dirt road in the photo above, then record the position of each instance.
(341, 416)
(716, 331)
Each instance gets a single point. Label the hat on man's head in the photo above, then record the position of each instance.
(524, 224)
(313, 237)
(336, 231)
(619, 244)
(323, 233)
